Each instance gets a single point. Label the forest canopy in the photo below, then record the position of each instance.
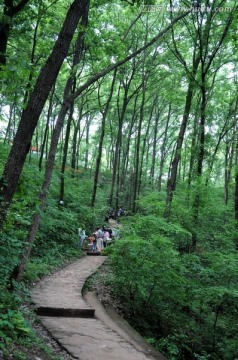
(133, 104)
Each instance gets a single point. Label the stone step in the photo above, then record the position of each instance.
(65, 312)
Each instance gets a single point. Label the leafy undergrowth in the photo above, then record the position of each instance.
(22, 336)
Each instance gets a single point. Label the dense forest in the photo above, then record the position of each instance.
(123, 103)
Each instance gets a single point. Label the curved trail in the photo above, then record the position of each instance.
(83, 327)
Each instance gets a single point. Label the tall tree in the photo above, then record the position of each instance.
(236, 185)
(104, 113)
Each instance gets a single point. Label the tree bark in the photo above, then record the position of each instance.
(234, 152)
(154, 146)
(125, 157)
(46, 132)
(65, 152)
(139, 150)
(163, 150)
(99, 155)
(18, 271)
(118, 145)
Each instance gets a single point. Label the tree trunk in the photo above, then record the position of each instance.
(74, 141)
(236, 186)
(137, 153)
(175, 162)
(154, 147)
(125, 158)
(162, 150)
(65, 152)
(116, 160)
(193, 148)
(229, 156)
(46, 132)
(18, 271)
(8, 134)
(99, 155)
(87, 144)
(118, 142)
(202, 127)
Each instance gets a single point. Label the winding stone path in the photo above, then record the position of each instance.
(84, 333)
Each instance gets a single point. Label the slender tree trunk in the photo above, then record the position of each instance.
(18, 271)
(87, 145)
(154, 146)
(118, 143)
(99, 155)
(10, 121)
(74, 141)
(202, 127)
(46, 132)
(125, 158)
(193, 150)
(65, 152)
(174, 166)
(229, 158)
(118, 181)
(144, 153)
(236, 187)
(137, 153)
(162, 150)
(116, 160)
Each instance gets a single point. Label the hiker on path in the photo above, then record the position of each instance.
(106, 237)
(82, 236)
(99, 237)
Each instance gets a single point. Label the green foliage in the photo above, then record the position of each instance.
(10, 249)
(146, 275)
(214, 225)
(182, 303)
(12, 323)
(148, 226)
(186, 303)
(151, 203)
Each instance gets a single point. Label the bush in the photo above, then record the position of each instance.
(151, 225)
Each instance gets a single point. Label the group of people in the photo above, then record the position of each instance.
(100, 239)
(115, 214)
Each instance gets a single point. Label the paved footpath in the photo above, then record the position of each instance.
(84, 328)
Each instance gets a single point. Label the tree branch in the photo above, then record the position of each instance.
(129, 57)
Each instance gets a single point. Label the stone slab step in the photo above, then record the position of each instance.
(63, 289)
(90, 339)
(65, 312)
(93, 253)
